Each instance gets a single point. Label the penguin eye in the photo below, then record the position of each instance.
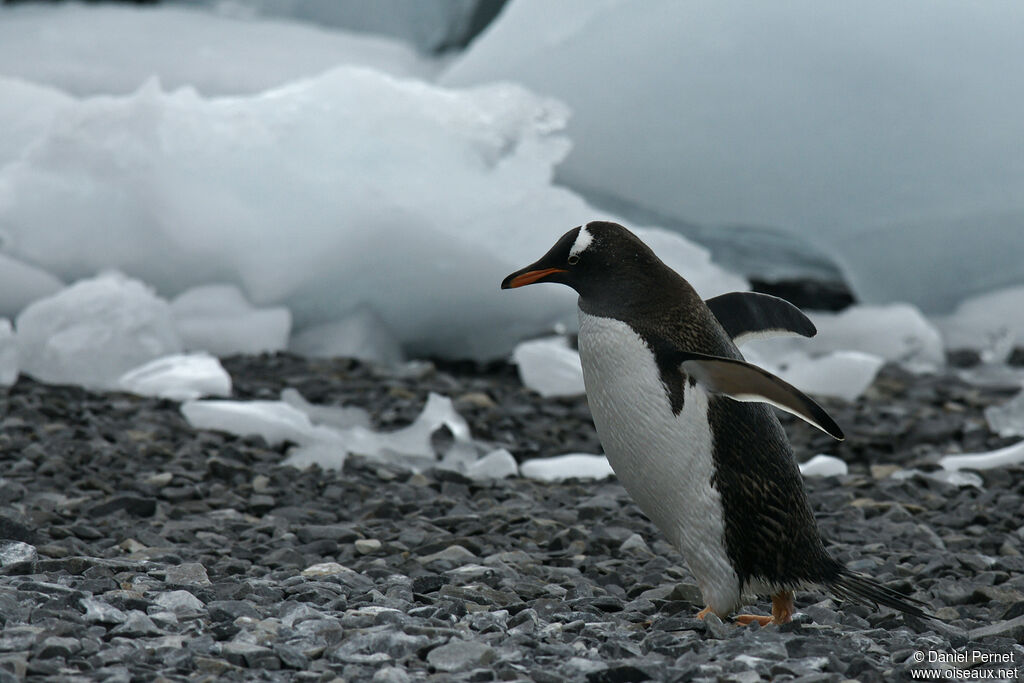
(573, 260)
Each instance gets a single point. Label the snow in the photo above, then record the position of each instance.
(889, 135)
(568, 466)
(1002, 457)
(991, 324)
(178, 377)
(1007, 419)
(88, 50)
(94, 331)
(363, 334)
(824, 466)
(8, 354)
(348, 190)
(549, 367)
(218, 319)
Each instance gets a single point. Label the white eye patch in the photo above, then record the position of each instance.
(583, 241)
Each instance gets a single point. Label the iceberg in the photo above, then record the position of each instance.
(345, 191)
(841, 124)
(103, 49)
(362, 334)
(9, 368)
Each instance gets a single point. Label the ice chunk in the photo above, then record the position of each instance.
(179, 377)
(218, 319)
(549, 367)
(338, 417)
(954, 477)
(1007, 419)
(275, 421)
(991, 324)
(497, 464)
(842, 374)
(749, 118)
(363, 335)
(823, 466)
(568, 466)
(21, 284)
(1002, 457)
(8, 354)
(88, 50)
(329, 455)
(94, 331)
(896, 332)
(345, 190)
(414, 440)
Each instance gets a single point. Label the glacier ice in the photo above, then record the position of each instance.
(362, 334)
(9, 367)
(218, 319)
(86, 50)
(178, 377)
(953, 477)
(841, 124)
(1001, 457)
(568, 466)
(94, 331)
(549, 367)
(823, 466)
(344, 190)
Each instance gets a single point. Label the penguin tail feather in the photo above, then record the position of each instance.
(856, 587)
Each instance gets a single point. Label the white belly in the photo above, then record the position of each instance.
(663, 460)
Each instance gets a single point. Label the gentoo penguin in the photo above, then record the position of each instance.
(686, 425)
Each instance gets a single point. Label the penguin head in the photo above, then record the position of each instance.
(594, 259)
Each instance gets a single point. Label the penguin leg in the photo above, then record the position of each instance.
(782, 607)
(704, 612)
(782, 611)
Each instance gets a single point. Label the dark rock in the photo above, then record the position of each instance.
(136, 506)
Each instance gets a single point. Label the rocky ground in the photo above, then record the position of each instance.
(139, 549)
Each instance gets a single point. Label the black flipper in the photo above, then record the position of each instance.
(742, 381)
(749, 315)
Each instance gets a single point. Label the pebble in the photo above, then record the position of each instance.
(154, 561)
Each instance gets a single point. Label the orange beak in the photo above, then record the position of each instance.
(529, 277)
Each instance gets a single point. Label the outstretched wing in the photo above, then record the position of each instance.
(749, 315)
(742, 381)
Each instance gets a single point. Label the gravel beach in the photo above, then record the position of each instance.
(137, 548)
